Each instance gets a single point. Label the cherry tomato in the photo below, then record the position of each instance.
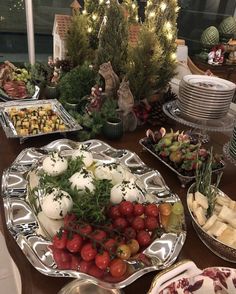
(118, 268)
(133, 246)
(130, 218)
(74, 244)
(75, 262)
(123, 251)
(84, 266)
(70, 220)
(126, 208)
(130, 233)
(110, 245)
(88, 252)
(85, 229)
(138, 223)
(138, 209)
(151, 210)
(143, 238)
(99, 235)
(151, 223)
(62, 258)
(59, 240)
(95, 271)
(102, 260)
(114, 212)
(120, 223)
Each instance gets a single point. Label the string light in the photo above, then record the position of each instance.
(167, 25)
(163, 6)
(169, 36)
(84, 12)
(94, 17)
(151, 14)
(101, 1)
(133, 6)
(173, 56)
(89, 30)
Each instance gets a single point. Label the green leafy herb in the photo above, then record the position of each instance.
(90, 206)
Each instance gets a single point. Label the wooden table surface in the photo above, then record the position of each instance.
(193, 249)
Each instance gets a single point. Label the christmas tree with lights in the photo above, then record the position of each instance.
(161, 16)
(95, 11)
(113, 38)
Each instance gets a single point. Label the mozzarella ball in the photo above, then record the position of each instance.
(56, 204)
(54, 164)
(87, 156)
(51, 226)
(127, 190)
(82, 179)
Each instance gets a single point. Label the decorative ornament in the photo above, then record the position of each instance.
(125, 97)
(112, 81)
(228, 26)
(216, 55)
(210, 37)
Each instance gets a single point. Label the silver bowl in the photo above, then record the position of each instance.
(218, 248)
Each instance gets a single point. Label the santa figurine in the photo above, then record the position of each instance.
(216, 55)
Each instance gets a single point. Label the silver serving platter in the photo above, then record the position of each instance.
(22, 222)
(184, 179)
(35, 96)
(56, 106)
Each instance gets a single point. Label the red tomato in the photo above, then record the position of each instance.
(59, 240)
(114, 212)
(110, 245)
(75, 262)
(138, 223)
(151, 223)
(85, 229)
(126, 208)
(138, 209)
(74, 244)
(95, 272)
(143, 238)
(130, 233)
(133, 246)
(130, 219)
(88, 252)
(102, 260)
(99, 235)
(118, 268)
(151, 210)
(120, 223)
(84, 266)
(70, 220)
(62, 258)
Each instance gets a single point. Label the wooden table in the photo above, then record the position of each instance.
(193, 249)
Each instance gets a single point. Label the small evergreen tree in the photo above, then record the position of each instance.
(95, 11)
(144, 65)
(77, 42)
(113, 39)
(161, 17)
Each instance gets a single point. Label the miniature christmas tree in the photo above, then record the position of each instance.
(161, 17)
(95, 11)
(77, 41)
(144, 65)
(113, 38)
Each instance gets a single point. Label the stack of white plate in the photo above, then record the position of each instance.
(232, 144)
(205, 97)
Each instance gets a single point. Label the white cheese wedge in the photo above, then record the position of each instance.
(201, 200)
(210, 222)
(217, 228)
(200, 216)
(228, 236)
(190, 201)
(227, 214)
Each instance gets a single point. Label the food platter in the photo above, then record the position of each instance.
(17, 117)
(35, 96)
(23, 224)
